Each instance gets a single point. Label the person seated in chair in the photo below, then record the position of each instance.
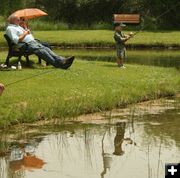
(24, 39)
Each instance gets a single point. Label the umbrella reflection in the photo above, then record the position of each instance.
(24, 159)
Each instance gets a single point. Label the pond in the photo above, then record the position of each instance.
(165, 58)
(131, 143)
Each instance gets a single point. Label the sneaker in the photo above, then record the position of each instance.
(122, 67)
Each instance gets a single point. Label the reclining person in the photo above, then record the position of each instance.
(24, 39)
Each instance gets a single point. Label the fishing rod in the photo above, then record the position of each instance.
(157, 18)
(27, 78)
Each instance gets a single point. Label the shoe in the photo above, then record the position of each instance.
(68, 62)
(122, 67)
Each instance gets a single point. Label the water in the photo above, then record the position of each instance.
(131, 143)
(165, 58)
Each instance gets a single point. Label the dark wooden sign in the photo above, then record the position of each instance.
(127, 18)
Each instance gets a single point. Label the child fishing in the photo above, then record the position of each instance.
(120, 40)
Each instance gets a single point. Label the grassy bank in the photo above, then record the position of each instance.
(87, 87)
(104, 38)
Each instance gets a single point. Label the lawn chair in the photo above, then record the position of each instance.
(15, 52)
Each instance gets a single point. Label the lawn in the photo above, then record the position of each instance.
(103, 38)
(89, 86)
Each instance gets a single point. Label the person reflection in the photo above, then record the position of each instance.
(107, 160)
(119, 139)
(118, 151)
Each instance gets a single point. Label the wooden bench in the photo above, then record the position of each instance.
(13, 51)
(127, 18)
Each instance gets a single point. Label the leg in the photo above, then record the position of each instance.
(54, 55)
(39, 60)
(43, 54)
(120, 57)
(119, 61)
(49, 56)
(27, 59)
(46, 45)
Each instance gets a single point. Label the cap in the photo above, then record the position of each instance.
(116, 24)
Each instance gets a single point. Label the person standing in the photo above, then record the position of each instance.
(120, 40)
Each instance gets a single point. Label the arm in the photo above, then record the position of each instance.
(131, 34)
(120, 39)
(21, 37)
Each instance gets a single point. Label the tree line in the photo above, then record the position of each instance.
(94, 11)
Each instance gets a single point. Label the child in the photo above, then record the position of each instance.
(120, 40)
(1, 88)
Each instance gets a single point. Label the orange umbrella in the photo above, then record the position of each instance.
(29, 13)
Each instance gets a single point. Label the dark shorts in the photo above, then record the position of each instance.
(121, 53)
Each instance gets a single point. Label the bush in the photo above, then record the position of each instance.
(101, 26)
(2, 23)
(44, 25)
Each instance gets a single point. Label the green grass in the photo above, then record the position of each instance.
(87, 87)
(103, 38)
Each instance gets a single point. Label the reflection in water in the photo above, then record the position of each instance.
(20, 158)
(107, 159)
(96, 150)
(118, 151)
(119, 138)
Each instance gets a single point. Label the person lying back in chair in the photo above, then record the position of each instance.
(21, 36)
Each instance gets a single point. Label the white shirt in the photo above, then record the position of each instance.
(15, 31)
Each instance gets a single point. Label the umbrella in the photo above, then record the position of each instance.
(29, 13)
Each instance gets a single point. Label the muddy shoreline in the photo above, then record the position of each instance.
(143, 108)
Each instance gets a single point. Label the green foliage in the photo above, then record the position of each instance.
(89, 12)
(45, 25)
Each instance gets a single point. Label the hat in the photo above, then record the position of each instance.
(116, 24)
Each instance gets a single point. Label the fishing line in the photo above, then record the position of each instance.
(27, 78)
(157, 18)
